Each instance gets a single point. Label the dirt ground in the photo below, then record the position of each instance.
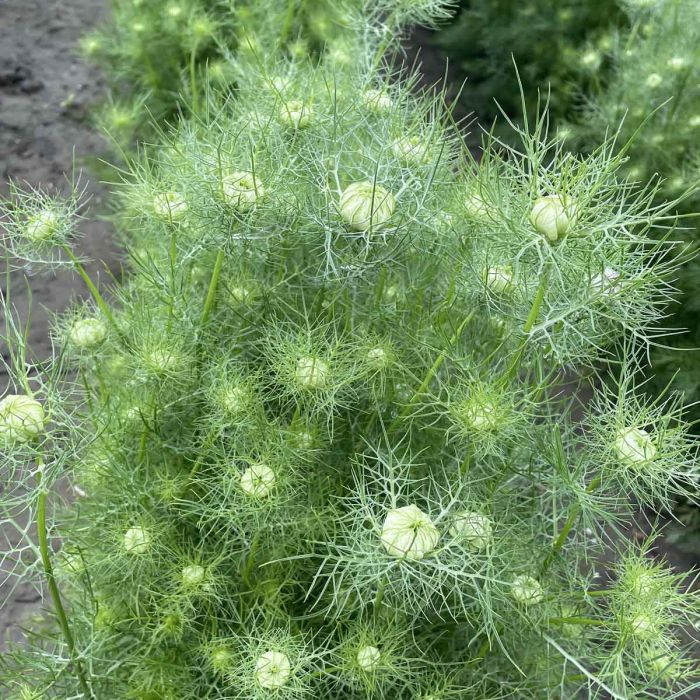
(45, 95)
(46, 92)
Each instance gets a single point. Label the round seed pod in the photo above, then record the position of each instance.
(21, 418)
(634, 446)
(366, 205)
(258, 481)
(553, 216)
(409, 533)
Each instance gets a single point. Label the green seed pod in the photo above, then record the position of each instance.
(366, 205)
(473, 528)
(553, 216)
(258, 480)
(499, 279)
(242, 190)
(21, 418)
(368, 658)
(296, 114)
(170, 206)
(634, 446)
(312, 372)
(42, 226)
(409, 533)
(87, 333)
(137, 540)
(527, 590)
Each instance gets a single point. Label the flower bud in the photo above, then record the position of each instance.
(527, 590)
(193, 575)
(366, 205)
(553, 216)
(378, 357)
(479, 414)
(377, 101)
(241, 190)
(643, 626)
(476, 206)
(499, 279)
(87, 333)
(258, 481)
(677, 63)
(21, 418)
(409, 533)
(473, 528)
(368, 658)
(137, 540)
(221, 659)
(411, 149)
(296, 114)
(606, 282)
(272, 670)
(634, 446)
(312, 372)
(42, 226)
(169, 206)
(654, 80)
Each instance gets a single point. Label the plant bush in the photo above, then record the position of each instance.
(559, 51)
(322, 438)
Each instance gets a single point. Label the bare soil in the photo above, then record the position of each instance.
(46, 92)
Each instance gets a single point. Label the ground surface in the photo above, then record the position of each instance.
(45, 95)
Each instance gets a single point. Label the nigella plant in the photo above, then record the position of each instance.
(324, 440)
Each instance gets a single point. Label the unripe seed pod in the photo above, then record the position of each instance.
(368, 658)
(272, 670)
(527, 590)
(296, 114)
(499, 279)
(553, 216)
(170, 206)
(137, 540)
(634, 446)
(476, 206)
(312, 372)
(41, 226)
(87, 333)
(474, 528)
(366, 205)
(193, 575)
(677, 63)
(409, 533)
(21, 418)
(241, 190)
(258, 481)
(479, 414)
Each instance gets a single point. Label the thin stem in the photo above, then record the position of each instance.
(429, 376)
(530, 321)
(99, 299)
(568, 525)
(193, 81)
(213, 285)
(53, 586)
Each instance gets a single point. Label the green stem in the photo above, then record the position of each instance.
(568, 525)
(53, 586)
(429, 376)
(213, 285)
(288, 20)
(99, 299)
(193, 81)
(530, 322)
